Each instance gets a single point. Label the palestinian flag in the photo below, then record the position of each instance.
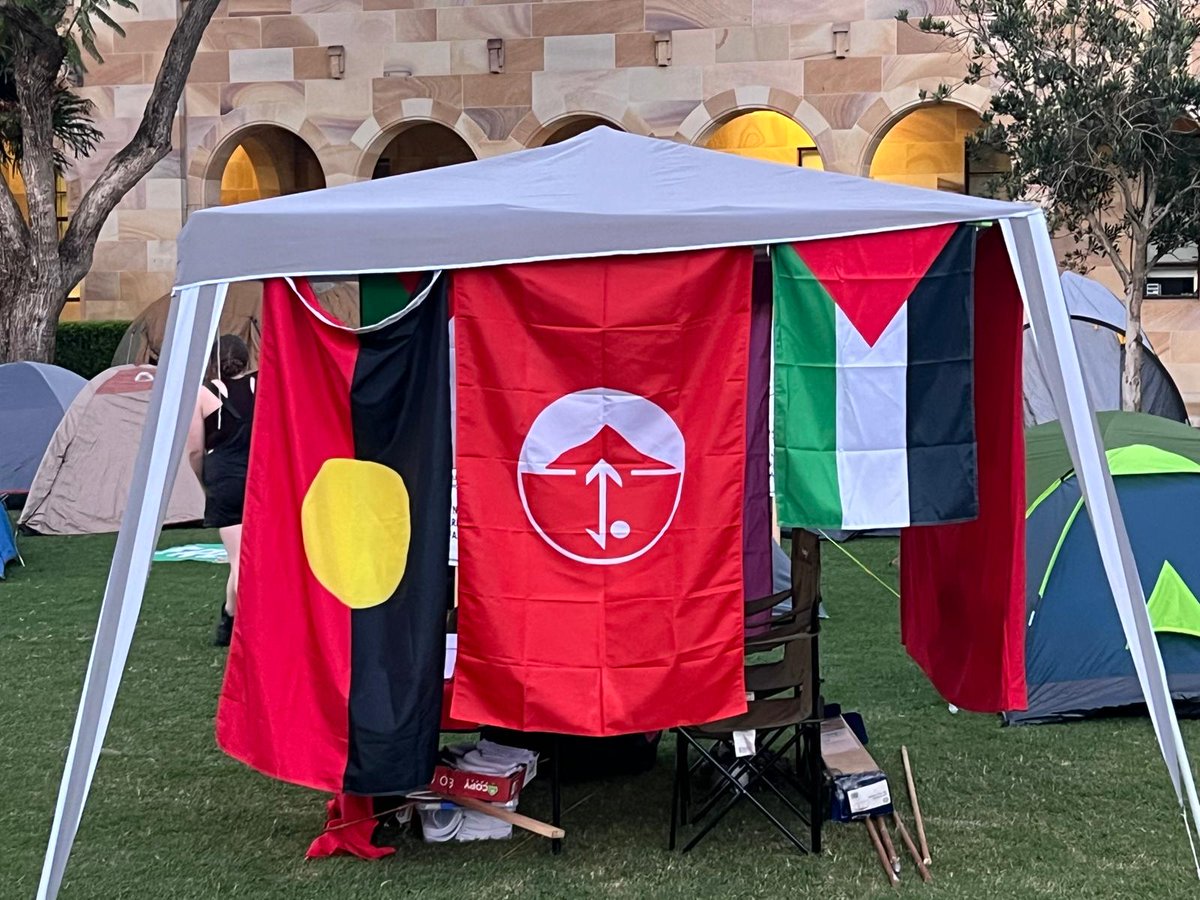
(334, 678)
(601, 471)
(874, 411)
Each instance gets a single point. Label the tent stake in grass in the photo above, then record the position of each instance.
(893, 857)
(869, 824)
(916, 806)
(912, 848)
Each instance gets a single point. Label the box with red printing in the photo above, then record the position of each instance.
(493, 788)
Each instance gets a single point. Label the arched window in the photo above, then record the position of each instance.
(425, 145)
(768, 135)
(574, 126)
(928, 147)
(269, 161)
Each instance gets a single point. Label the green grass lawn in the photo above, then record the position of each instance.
(1081, 810)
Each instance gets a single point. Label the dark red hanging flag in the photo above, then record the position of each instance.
(601, 460)
(334, 678)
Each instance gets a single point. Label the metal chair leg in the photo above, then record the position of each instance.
(556, 794)
(677, 787)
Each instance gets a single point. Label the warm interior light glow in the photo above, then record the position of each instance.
(767, 135)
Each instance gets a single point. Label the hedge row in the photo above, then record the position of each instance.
(88, 347)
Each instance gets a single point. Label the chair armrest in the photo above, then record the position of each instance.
(753, 607)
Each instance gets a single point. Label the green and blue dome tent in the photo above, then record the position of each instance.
(1077, 661)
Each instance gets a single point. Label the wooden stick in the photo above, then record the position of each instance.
(916, 806)
(507, 815)
(881, 824)
(883, 860)
(912, 848)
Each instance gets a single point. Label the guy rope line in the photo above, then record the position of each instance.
(858, 562)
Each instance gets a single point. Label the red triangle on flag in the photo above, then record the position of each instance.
(871, 276)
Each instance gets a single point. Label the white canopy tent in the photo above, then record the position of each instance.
(600, 194)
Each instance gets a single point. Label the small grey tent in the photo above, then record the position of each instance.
(1098, 325)
(82, 484)
(33, 399)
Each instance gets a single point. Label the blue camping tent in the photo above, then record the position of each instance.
(33, 399)
(8, 541)
(1076, 659)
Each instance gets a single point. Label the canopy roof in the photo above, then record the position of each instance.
(598, 194)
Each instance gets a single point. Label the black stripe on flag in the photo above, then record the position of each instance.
(400, 411)
(942, 466)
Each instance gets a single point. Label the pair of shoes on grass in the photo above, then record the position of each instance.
(224, 632)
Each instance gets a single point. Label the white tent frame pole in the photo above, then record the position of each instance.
(191, 327)
(1034, 264)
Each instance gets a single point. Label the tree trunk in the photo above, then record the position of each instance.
(29, 321)
(1131, 377)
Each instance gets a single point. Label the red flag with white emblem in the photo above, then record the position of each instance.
(601, 461)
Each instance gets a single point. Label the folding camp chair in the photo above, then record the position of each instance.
(785, 714)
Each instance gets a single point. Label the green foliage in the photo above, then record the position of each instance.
(73, 30)
(73, 124)
(88, 347)
(1095, 102)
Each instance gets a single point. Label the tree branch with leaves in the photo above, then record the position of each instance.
(44, 124)
(1095, 102)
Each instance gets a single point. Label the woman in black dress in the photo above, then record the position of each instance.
(219, 451)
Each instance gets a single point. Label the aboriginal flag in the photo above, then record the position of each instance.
(334, 678)
(601, 472)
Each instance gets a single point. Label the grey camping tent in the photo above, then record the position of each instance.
(82, 484)
(33, 399)
(1098, 324)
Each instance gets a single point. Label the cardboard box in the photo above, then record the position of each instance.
(860, 788)
(492, 788)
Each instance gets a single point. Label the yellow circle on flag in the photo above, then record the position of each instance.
(356, 526)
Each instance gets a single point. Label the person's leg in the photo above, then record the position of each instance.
(231, 537)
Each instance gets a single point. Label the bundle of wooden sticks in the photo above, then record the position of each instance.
(881, 838)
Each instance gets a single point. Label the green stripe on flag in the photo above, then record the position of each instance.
(805, 396)
(380, 295)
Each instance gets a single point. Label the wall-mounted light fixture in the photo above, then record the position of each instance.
(662, 48)
(397, 72)
(495, 48)
(841, 40)
(337, 60)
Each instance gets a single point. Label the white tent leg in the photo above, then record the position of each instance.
(190, 329)
(1033, 261)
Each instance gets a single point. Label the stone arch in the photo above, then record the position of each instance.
(703, 121)
(899, 102)
(211, 153)
(373, 139)
(538, 125)
(568, 126)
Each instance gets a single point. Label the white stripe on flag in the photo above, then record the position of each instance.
(872, 425)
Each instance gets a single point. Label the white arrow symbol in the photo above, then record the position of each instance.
(604, 472)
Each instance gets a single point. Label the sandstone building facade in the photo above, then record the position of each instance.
(288, 95)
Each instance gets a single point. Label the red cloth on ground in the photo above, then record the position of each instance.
(343, 839)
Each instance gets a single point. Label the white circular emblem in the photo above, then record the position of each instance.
(601, 474)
